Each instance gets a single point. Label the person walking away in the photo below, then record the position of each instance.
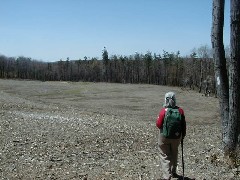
(172, 127)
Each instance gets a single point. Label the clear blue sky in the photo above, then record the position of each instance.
(50, 30)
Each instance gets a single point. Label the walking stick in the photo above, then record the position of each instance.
(182, 158)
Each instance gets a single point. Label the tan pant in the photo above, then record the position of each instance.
(168, 155)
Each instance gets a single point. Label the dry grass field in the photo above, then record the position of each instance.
(80, 130)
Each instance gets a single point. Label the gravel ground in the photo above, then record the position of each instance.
(65, 130)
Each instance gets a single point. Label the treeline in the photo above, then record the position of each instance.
(194, 72)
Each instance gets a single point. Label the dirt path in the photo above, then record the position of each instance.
(61, 130)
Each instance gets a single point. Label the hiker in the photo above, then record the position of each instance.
(170, 136)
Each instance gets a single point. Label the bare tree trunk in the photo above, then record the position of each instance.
(228, 94)
(221, 77)
(234, 77)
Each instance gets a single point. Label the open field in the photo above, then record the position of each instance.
(65, 130)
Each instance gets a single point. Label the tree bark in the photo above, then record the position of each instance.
(221, 77)
(234, 76)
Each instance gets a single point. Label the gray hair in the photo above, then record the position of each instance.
(170, 100)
